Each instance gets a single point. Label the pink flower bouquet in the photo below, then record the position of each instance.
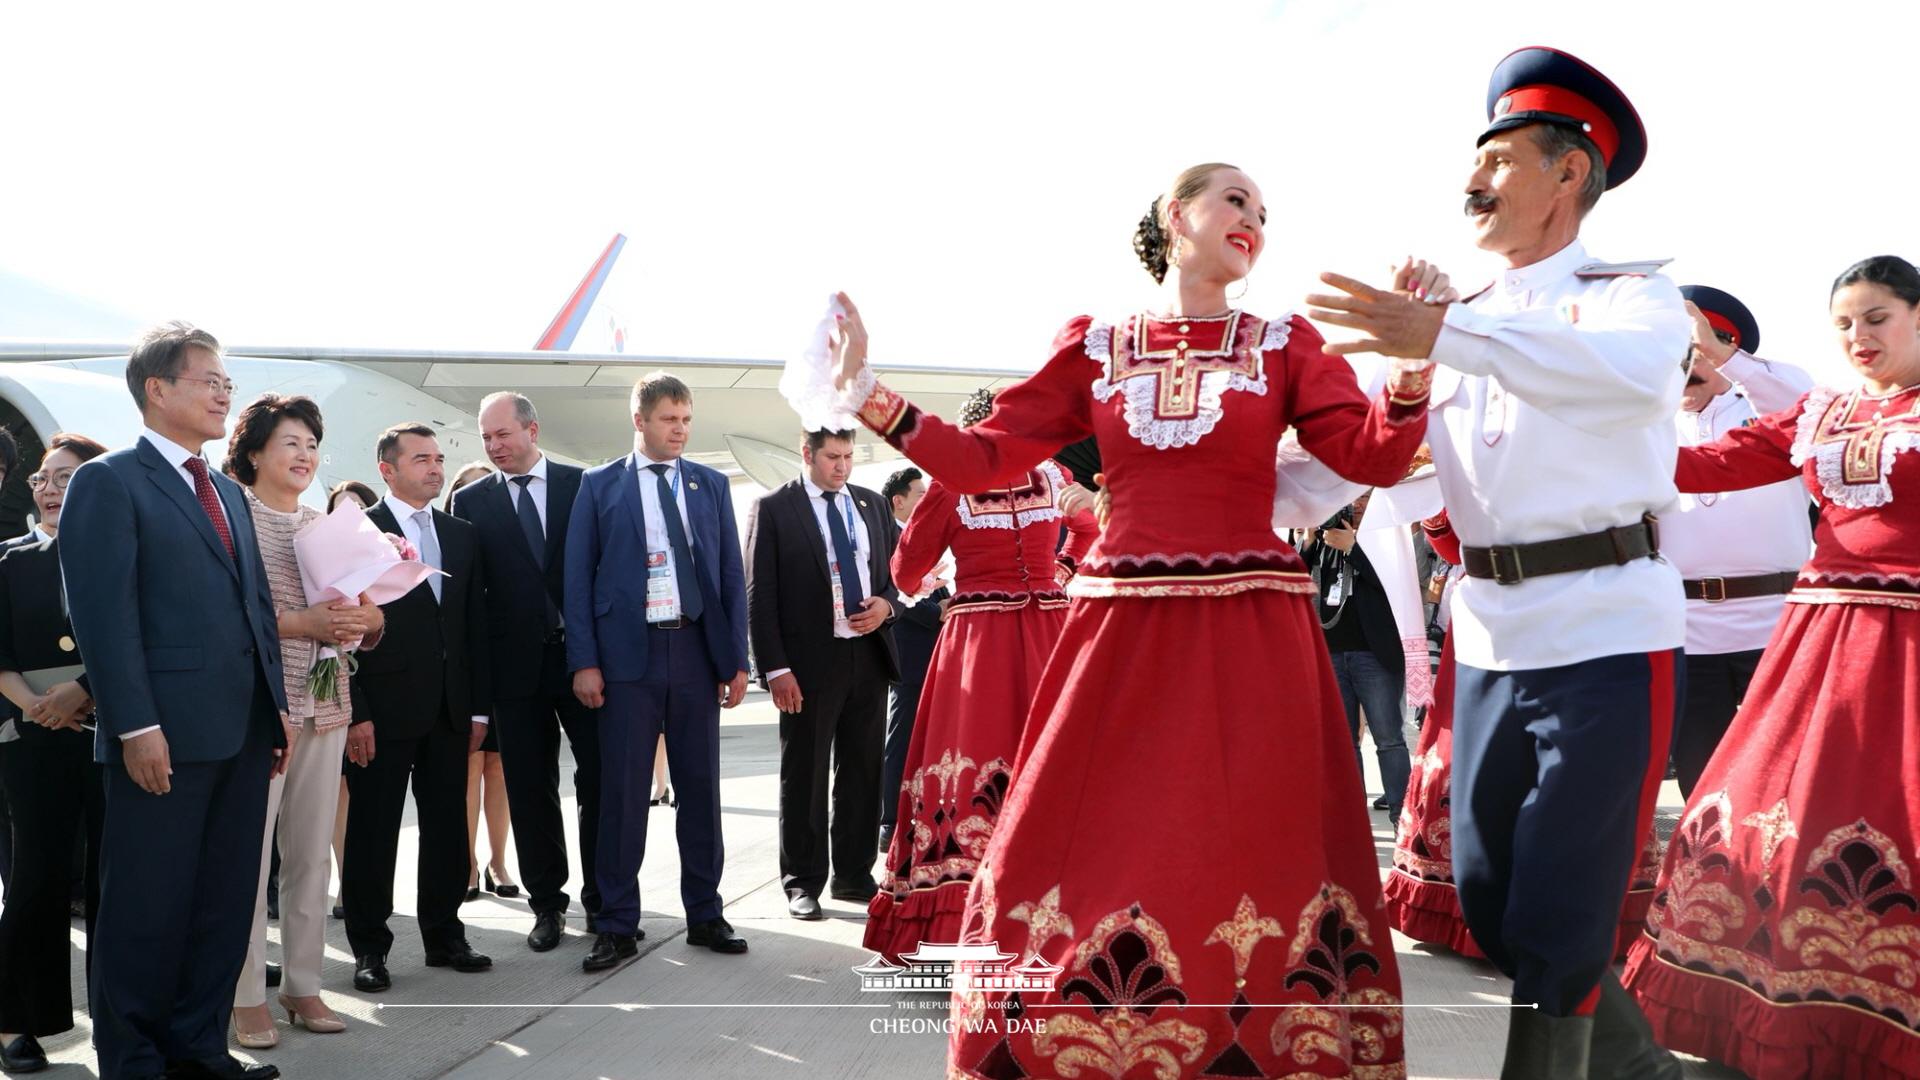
(342, 556)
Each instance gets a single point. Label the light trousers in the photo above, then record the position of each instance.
(301, 803)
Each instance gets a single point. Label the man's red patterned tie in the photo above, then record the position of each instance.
(210, 501)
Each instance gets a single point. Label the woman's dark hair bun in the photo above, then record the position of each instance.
(1150, 243)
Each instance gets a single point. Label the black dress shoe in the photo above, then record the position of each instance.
(716, 934)
(803, 907)
(220, 1068)
(22, 1055)
(339, 911)
(370, 973)
(547, 928)
(610, 949)
(273, 974)
(460, 957)
(858, 894)
(473, 893)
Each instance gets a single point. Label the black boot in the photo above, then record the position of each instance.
(1542, 1047)
(1623, 1046)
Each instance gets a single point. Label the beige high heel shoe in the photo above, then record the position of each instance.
(257, 1040)
(319, 1025)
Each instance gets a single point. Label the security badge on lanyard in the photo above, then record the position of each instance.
(663, 599)
(833, 568)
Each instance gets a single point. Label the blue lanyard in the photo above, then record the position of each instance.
(642, 464)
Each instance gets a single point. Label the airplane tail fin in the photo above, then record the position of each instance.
(560, 333)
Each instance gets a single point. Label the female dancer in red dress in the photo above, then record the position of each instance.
(1185, 835)
(1784, 936)
(1421, 900)
(999, 629)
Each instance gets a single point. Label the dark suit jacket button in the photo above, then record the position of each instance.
(248, 651)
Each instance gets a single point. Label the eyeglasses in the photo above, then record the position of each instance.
(58, 481)
(213, 384)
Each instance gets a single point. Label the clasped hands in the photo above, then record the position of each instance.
(340, 623)
(1402, 320)
(61, 708)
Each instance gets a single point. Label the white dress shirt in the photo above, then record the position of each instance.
(657, 536)
(410, 528)
(862, 547)
(1555, 420)
(536, 490)
(862, 543)
(1763, 530)
(176, 456)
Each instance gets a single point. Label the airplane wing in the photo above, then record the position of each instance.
(582, 397)
(741, 423)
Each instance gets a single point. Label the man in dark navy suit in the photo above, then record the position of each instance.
(657, 641)
(176, 626)
(521, 515)
(426, 696)
(914, 635)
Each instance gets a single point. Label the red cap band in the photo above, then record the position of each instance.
(1560, 100)
(1723, 324)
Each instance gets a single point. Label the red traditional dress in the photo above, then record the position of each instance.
(1421, 900)
(1000, 627)
(1784, 936)
(1184, 837)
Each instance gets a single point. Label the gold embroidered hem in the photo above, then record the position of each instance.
(1232, 584)
(1874, 597)
(882, 410)
(975, 607)
(1409, 382)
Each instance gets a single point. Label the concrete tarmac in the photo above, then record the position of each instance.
(792, 1006)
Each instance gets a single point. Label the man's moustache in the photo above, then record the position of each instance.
(1479, 204)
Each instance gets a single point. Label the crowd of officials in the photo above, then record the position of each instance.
(177, 699)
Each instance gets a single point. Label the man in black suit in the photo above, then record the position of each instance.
(426, 695)
(521, 515)
(176, 627)
(820, 599)
(913, 637)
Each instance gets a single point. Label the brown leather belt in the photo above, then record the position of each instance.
(1510, 564)
(1715, 589)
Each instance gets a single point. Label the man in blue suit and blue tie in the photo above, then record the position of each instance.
(657, 641)
(176, 627)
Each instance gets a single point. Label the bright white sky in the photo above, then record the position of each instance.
(415, 175)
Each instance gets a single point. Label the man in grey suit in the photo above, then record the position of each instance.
(176, 627)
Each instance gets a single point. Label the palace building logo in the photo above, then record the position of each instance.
(957, 967)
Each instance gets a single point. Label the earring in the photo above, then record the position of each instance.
(1173, 250)
(1243, 291)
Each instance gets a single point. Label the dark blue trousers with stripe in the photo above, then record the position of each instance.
(1555, 772)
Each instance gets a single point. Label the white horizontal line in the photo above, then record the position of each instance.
(627, 1005)
(879, 1005)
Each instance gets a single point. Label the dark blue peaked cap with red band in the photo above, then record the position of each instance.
(1546, 86)
(1726, 314)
